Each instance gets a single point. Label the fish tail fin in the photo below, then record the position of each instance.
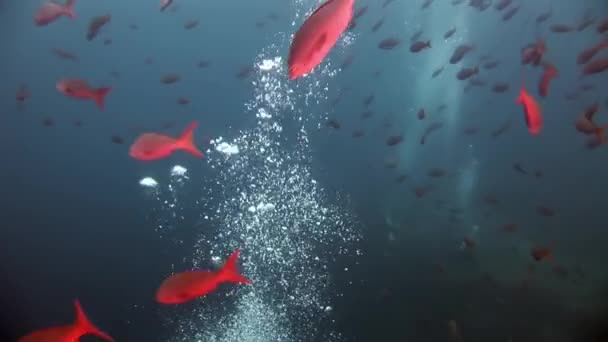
(83, 323)
(186, 141)
(69, 9)
(230, 270)
(601, 134)
(100, 96)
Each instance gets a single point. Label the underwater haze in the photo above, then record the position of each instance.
(439, 175)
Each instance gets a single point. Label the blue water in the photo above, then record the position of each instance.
(336, 248)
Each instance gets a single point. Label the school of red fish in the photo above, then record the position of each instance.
(311, 44)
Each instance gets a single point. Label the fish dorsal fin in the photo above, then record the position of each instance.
(321, 7)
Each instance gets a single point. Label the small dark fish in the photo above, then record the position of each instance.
(471, 130)
(538, 174)
(426, 4)
(114, 74)
(389, 43)
(509, 227)
(273, 16)
(421, 114)
(259, 24)
(502, 4)
(430, 129)
(368, 100)
(107, 41)
(421, 191)
(586, 55)
(500, 87)
(149, 60)
(477, 82)
(490, 199)
(436, 172)
(561, 28)
(190, 24)
(510, 13)
(394, 140)
(441, 108)
(78, 123)
(587, 21)
(603, 26)
(352, 25)
(96, 24)
(358, 133)
(183, 100)
(420, 45)
(360, 11)
(519, 168)
(23, 93)
(449, 33)
(460, 52)
(65, 55)
(386, 3)
(490, 65)
(596, 66)
(437, 72)
(203, 64)
(48, 122)
(466, 73)
(367, 114)
(545, 211)
(332, 123)
(170, 78)
(416, 36)
(401, 179)
(348, 60)
(377, 25)
(544, 16)
(480, 5)
(501, 129)
(134, 27)
(117, 139)
(391, 164)
(245, 72)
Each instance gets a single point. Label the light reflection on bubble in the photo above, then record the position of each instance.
(266, 202)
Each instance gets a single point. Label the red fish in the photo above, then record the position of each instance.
(186, 286)
(586, 55)
(533, 115)
(540, 253)
(67, 333)
(549, 73)
(318, 35)
(51, 11)
(420, 45)
(81, 90)
(154, 146)
(596, 66)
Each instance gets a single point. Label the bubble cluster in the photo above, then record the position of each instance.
(260, 196)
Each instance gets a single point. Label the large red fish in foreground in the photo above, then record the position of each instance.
(534, 118)
(318, 35)
(186, 286)
(67, 333)
(82, 90)
(51, 11)
(153, 146)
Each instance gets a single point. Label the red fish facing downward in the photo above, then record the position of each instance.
(186, 286)
(67, 333)
(81, 90)
(533, 115)
(153, 146)
(549, 74)
(318, 35)
(51, 11)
